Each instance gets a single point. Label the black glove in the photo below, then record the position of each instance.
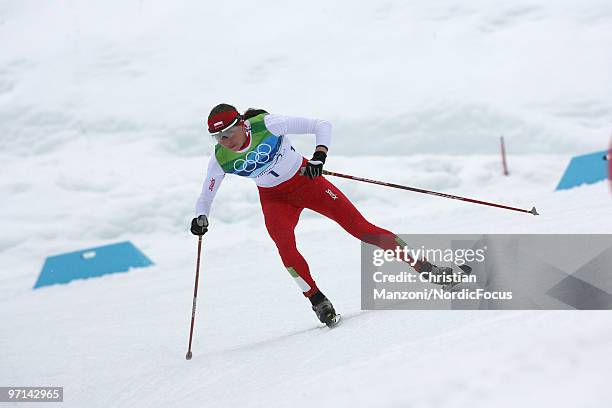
(199, 225)
(314, 168)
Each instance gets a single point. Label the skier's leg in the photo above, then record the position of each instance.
(325, 198)
(281, 218)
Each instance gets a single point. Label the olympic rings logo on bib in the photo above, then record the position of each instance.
(253, 158)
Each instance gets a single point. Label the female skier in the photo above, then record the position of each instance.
(255, 145)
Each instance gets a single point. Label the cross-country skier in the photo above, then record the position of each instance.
(255, 145)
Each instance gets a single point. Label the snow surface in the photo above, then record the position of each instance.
(102, 140)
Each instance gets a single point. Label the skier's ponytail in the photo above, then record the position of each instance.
(252, 112)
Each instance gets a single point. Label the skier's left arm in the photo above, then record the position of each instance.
(214, 177)
(283, 125)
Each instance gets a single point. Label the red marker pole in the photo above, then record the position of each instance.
(503, 154)
(609, 159)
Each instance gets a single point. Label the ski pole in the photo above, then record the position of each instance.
(419, 190)
(195, 296)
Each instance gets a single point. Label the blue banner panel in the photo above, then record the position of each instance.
(91, 262)
(586, 169)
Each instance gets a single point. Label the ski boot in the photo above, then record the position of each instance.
(324, 310)
(443, 275)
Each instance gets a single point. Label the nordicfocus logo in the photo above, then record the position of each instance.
(331, 194)
(259, 156)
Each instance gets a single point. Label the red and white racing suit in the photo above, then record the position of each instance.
(284, 195)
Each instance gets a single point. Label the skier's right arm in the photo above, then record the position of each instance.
(214, 177)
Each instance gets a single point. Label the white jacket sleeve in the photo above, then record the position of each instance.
(286, 125)
(214, 177)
